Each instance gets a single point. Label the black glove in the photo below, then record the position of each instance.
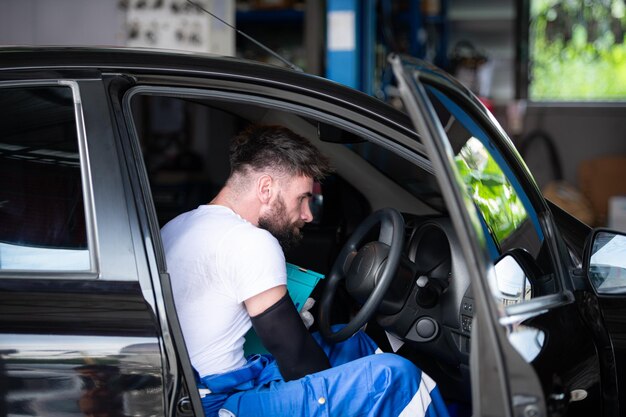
(283, 334)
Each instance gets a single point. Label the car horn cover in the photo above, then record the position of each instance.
(365, 269)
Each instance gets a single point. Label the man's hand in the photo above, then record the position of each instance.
(307, 317)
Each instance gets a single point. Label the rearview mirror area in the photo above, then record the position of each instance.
(606, 261)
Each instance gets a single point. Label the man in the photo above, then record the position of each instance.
(228, 274)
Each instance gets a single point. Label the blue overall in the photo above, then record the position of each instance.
(360, 383)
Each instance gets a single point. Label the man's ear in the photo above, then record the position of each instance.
(265, 190)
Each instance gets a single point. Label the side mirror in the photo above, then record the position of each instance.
(605, 261)
(511, 280)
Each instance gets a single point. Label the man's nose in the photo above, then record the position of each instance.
(306, 213)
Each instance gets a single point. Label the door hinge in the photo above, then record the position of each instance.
(526, 406)
(184, 406)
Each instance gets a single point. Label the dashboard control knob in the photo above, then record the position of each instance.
(426, 328)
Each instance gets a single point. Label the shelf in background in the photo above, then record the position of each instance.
(431, 19)
(478, 14)
(292, 16)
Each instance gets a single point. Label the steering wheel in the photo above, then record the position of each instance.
(368, 270)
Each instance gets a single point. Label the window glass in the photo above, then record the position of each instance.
(492, 192)
(507, 216)
(577, 50)
(509, 221)
(42, 216)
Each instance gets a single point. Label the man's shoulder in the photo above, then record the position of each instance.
(204, 216)
(246, 233)
(220, 228)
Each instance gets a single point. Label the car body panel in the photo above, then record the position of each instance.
(109, 337)
(71, 344)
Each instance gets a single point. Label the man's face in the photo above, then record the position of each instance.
(289, 211)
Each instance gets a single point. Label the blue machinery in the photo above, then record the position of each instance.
(352, 38)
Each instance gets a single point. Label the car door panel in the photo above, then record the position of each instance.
(557, 369)
(608, 316)
(182, 397)
(486, 336)
(72, 340)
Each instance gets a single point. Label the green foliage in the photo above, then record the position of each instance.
(577, 50)
(490, 189)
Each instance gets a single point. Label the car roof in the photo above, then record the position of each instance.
(137, 61)
(111, 57)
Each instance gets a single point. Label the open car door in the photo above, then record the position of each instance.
(508, 378)
(527, 311)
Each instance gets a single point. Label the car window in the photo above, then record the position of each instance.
(509, 221)
(42, 215)
(497, 200)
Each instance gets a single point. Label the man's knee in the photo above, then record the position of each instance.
(392, 369)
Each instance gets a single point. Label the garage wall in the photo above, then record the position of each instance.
(61, 22)
(579, 133)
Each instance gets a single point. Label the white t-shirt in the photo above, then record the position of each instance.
(216, 260)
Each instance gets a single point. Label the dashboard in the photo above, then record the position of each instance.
(430, 306)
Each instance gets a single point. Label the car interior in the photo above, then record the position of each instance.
(426, 315)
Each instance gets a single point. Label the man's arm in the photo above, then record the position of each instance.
(261, 302)
(280, 328)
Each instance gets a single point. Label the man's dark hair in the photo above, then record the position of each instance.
(277, 148)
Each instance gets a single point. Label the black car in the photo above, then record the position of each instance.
(513, 306)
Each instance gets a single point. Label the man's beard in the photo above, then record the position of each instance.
(276, 222)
